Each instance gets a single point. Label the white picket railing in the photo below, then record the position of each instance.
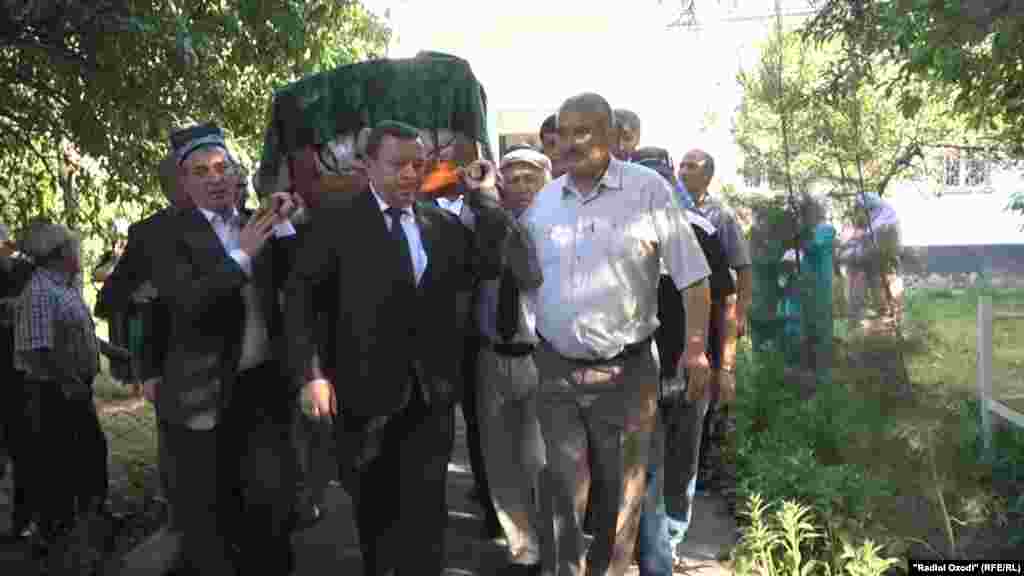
(988, 403)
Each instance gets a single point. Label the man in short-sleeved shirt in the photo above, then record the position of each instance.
(696, 170)
(601, 232)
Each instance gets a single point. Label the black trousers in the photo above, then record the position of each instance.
(401, 504)
(232, 488)
(469, 412)
(315, 460)
(68, 443)
(195, 490)
(18, 441)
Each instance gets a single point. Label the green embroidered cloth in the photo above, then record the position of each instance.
(432, 90)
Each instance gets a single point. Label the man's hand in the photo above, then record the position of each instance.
(480, 175)
(7, 249)
(319, 399)
(698, 371)
(149, 389)
(284, 204)
(726, 382)
(257, 230)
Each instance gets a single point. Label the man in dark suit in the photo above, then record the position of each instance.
(129, 290)
(396, 269)
(223, 401)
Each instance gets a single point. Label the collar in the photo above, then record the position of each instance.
(210, 214)
(384, 205)
(450, 201)
(705, 199)
(57, 277)
(610, 180)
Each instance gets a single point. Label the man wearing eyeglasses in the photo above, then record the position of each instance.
(223, 402)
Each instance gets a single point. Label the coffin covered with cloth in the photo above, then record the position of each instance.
(318, 125)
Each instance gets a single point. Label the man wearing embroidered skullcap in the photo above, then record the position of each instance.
(223, 401)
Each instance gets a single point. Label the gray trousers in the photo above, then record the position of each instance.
(513, 448)
(597, 423)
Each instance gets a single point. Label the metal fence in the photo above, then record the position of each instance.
(993, 402)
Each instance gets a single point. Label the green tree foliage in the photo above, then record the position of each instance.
(90, 90)
(975, 48)
(845, 135)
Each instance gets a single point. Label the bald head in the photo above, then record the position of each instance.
(586, 134)
(696, 170)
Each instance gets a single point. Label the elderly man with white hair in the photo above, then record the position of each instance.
(513, 450)
(55, 346)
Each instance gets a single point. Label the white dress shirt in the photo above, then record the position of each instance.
(228, 231)
(255, 339)
(601, 254)
(453, 206)
(412, 235)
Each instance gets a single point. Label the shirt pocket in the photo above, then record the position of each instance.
(623, 237)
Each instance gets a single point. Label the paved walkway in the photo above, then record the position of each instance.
(332, 546)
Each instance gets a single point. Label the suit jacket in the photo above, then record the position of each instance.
(134, 269)
(201, 285)
(384, 326)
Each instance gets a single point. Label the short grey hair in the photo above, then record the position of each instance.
(709, 165)
(628, 119)
(46, 241)
(590, 102)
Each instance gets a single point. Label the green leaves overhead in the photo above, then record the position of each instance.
(845, 131)
(973, 48)
(111, 78)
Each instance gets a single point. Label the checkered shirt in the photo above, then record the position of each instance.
(51, 314)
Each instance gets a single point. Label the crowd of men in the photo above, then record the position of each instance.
(581, 302)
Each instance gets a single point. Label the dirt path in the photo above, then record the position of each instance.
(332, 546)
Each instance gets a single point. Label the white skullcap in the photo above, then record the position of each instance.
(527, 156)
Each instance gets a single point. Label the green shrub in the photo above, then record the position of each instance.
(789, 449)
(786, 542)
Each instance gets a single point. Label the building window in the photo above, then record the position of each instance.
(978, 172)
(952, 170)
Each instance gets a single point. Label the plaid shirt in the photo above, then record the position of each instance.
(51, 314)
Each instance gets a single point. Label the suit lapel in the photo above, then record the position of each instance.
(375, 223)
(200, 236)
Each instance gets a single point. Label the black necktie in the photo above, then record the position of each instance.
(508, 306)
(402, 243)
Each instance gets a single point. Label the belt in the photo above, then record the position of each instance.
(628, 351)
(513, 349)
